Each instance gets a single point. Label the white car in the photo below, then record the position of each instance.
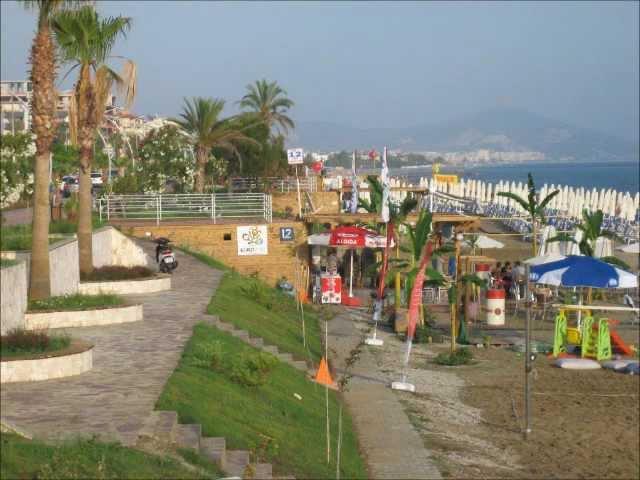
(96, 179)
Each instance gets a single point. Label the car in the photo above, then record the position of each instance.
(96, 179)
(71, 185)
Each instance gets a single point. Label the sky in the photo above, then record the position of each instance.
(379, 64)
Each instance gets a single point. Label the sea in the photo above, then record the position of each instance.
(620, 176)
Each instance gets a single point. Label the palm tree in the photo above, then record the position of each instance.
(86, 41)
(534, 208)
(269, 103)
(44, 125)
(591, 228)
(202, 123)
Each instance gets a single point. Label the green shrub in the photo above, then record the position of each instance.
(422, 334)
(207, 355)
(76, 302)
(270, 298)
(462, 356)
(251, 369)
(116, 272)
(20, 341)
(6, 262)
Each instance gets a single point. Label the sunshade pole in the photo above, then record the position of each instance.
(528, 359)
(351, 276)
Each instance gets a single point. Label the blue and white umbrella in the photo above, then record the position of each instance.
(582, 271)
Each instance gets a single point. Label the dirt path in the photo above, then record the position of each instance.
(131, 363)
(392, 446)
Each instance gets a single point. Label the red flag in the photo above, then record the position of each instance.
(373, 154)
(416, 291)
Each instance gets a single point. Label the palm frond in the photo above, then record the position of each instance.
(523, 203)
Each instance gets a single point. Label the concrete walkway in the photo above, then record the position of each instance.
(393, 448)
(131, 364)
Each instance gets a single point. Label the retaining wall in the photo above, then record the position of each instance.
(82, 318)
(46, 368)
(14, 297)
(127, 287)
(111, 247)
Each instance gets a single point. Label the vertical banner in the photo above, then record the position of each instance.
(354, 184)
(384, 180)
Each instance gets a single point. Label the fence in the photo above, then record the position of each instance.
(217, 206)
(278, 184)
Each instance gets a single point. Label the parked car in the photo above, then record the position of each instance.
(71, 185)
(96, 179)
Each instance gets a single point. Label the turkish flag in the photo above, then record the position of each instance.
(373, 154)
(317, 167)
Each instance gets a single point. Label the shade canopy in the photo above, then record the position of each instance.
(349, 237)
(582, 271)
(540, 259)
(484, 242)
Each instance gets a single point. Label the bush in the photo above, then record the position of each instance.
(252, 368)
(116, 272)
(423, 332)
(76, 302)
(266, 296)
(461, 356)
(19, 341)
(207, 355)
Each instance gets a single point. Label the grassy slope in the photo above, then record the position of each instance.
(245, 414)
(22, 458)
(278, 326)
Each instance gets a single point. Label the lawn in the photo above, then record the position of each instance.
(250, 304)
(23, 458)
(18, 237)
(268, 419)
(76, 302)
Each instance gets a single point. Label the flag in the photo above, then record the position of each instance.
(354, 185)
(384, 180)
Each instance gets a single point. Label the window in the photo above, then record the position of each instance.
(227, 236)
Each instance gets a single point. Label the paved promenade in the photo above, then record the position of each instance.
(131, 363)
(393, 448)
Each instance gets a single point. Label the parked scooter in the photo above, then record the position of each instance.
(165, 258)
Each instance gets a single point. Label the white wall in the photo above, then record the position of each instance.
(13, 301)
(111, 247)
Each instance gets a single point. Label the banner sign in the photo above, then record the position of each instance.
(446, 178)
(252, 240)
(295, 156)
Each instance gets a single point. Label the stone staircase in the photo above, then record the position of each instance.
(161, 429)
(258, 343)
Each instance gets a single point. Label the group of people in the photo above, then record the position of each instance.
(510, 277)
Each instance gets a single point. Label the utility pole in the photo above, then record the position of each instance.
(529, 357)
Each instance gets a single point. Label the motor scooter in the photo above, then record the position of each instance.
(165, 258)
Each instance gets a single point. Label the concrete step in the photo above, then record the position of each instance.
(270, 349)
(263, 471)
(214, 448)
(242, 334)
(237, 461)
(188, 436)
(160, 425)
(257, 342)
(285, 357)
(227, 327)
(299, 365)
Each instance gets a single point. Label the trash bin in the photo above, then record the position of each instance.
(495, 306)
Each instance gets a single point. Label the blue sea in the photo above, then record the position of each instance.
(621, 176)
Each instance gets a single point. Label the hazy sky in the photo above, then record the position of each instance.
(380, 64)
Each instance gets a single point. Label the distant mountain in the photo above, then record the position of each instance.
(504, 129)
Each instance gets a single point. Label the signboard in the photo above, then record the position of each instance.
(295, 156)
(286, 234)
(252, 240)
(446, 178)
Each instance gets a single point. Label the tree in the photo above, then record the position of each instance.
(86, 41)
(533, 207)
(201, 121)
(43, 112)
(16, 167)
(269, 103)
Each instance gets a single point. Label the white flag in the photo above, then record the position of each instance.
(354, 185)
(384, 179)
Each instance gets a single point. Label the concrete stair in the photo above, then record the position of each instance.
(188, 436)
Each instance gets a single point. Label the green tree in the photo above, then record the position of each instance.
(533, 207)
(86, 42)
(200, 120)
(269, 103)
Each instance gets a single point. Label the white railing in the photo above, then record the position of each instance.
(215, 207)
(274, 184)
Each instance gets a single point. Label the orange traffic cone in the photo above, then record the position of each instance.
(323, 376)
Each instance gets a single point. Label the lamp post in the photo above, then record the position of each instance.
(454, 308)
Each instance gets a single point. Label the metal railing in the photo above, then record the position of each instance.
(215, 207)
(274, 184)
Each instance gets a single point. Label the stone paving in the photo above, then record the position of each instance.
(131, 364)
(393, 448)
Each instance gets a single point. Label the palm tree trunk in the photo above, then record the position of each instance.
(201, 161)
(44, 100)
(86, 136)
(535, 236)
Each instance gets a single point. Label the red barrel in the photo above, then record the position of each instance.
(495, 306)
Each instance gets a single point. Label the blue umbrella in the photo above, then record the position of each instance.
(582, 271)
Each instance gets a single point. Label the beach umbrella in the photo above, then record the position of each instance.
(603, 247)
(540, 259)
(582, 271)
(631, 248)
